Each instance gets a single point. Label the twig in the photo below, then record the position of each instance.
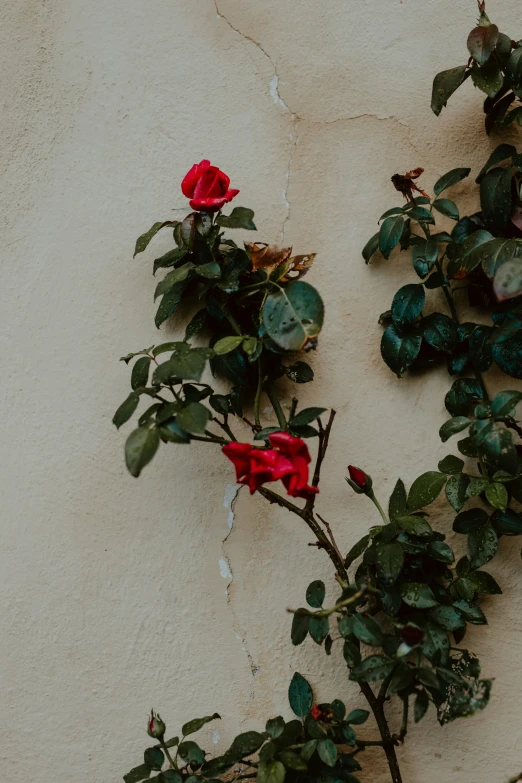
(324, 436)
(329, 531)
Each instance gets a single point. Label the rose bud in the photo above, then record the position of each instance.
(412, 635)
(359, 480)
(155, 726)
(315, 712)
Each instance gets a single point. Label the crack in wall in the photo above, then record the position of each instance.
(225, 570)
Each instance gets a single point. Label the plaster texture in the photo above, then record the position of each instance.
(120, 594)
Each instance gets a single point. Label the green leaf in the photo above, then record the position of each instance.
(515, 64)
(469, 521)
(169, 303)
(441, 551)
(372, 669)
(488, 78)
(240, 217)
(154, 758)
(466, 259)
(188, 366)
(500, 153)
(300, 623)
(447, 617)
(421, 215)
(193, 418)
(493, 254)
(174, 277)
(390, 233)
(471, 612)
(140, 448)
(452, 426)
(445, 84)
(274, 727)
(358, 717)
(400, 350)
(507, 522)
(130, 356)
(351, 654)
(327, 752)
(407, 304)
(497, 495)
(451, 464)
(137, 774)
(482, 545)
(197, 723)
(456, 487)
(421, 705)
(247, 743)
(126, 410)
(211, 270)
(482, 41)
(292, 760)
(356, 551)
(435, 645)
(500, 450)
(140, 373)
(425, 489)
(300, 695)
(484, 583)
(495, 198)
(389, 559)
(227, 344)
(367, 630)
(424, 256)
(370, 247)
(318, 628)
(415, 526)
(299, 372)
(397, 506)
(306, 416)
(270, 772)
(449, 179)
(418, 595)
(144, 239)
(505, 403)
(440, 332)
(293, 315)
(196, 324)
(315, 593)
(447, 208)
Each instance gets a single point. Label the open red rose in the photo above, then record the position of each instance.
(207, 187)
(288, 461)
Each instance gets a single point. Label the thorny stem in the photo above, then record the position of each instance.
(257, 401)
(377, 708)
(224, 426)
(324, 437)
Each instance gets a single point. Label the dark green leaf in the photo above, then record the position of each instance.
(488, 78)
(389, 559)
(451, 465)
(500, 153)
(508, 356)
(407, 304)
(449, 179)
(211, 270)
(424, 256)
(452, 426)
(441, 551)
(140, 448)
(482, 41)
(196, 324)
(367, 630)
(188, 366)
(315, 593)
(484, 583)
(397, 506)
(197, 723)
(356, 551)
(274, 727)
(306, 416)
(415, 526)
(154, 758)
(400, 350)
(173, 278)
(300, 372)
(371, 247)
(495, 198)
(372, 669)
(144, 239)
(193, 418)
(137, 774)
(293, 315)
(227, 344)
(507, 522)
(425, 489)
(499, 448)
(390, 233)
(421, 215)
(126, 410)
(240, 217)
(497, 495)
(471, 612)
(456, 487)
(270, 772)
(327, 752)
(466, 259)
(440, 332)
(470, 521)
(300, 695)
(482, 545)
(247, 743)
(192, 753)
(447, 617)
(445, 84)
(300, 624)
(421, 705)
(418, 595)
(169, 303)
(318, 628)
(447, 208)
(351, 654)
(140, 373)
(130, 356)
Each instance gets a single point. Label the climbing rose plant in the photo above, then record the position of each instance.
(404, 599)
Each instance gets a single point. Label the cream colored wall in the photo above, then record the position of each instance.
(114, 591)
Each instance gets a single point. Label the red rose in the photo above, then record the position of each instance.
(358, 476)
(207, 187)
(288, 461)
(412, 635)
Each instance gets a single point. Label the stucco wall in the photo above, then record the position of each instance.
(115, 592)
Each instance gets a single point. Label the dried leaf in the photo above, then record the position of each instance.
(264, 256)
(298, 266)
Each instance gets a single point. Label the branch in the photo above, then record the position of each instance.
(324, 436)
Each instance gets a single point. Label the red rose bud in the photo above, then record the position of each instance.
(315, 712)
(412, 635)
(359, 480)
(155, 726)
(207, 187)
